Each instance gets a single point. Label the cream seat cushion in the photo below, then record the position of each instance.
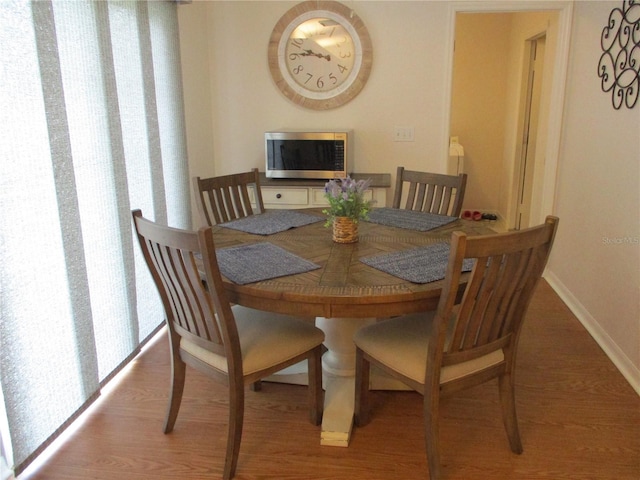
(266, 339)
(401, 344)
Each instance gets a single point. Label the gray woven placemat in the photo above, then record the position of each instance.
(260, 261)
(271, 222)
(409, 219)
(418, 265)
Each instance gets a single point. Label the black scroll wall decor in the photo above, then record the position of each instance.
(619, 66)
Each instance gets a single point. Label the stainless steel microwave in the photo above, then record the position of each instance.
(308, 154)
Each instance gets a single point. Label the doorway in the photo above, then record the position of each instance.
(498, 183)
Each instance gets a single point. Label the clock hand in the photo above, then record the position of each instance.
(311, 53)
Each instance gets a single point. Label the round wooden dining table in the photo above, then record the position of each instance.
(343, 295)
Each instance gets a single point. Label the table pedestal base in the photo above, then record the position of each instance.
(337, 420)
(339, 370)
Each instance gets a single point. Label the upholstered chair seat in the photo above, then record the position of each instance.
(266, 339)
(401, 344)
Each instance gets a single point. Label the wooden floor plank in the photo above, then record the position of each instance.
(579, 419)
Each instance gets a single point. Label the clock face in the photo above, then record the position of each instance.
(320, 54)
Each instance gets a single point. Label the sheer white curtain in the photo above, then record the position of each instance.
(92, 127)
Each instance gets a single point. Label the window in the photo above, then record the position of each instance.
(92, 127)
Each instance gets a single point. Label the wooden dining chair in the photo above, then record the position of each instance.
(225, 198)
(430, 192)
(236, 344)
(461, 344)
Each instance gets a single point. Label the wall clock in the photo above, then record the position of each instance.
(320, 54)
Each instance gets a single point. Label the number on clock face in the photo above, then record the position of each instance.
(320, 54)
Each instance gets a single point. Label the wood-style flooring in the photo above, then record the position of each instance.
(579, 419)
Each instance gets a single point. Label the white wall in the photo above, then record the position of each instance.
(595, 264)
(405, 86)
(231, 100)
(194, 55)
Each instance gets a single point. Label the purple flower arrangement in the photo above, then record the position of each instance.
(346, 198)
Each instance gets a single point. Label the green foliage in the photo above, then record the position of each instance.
(346, 199)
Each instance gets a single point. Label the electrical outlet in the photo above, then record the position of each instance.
(403, 134)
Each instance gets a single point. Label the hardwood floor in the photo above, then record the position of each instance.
(579, 419)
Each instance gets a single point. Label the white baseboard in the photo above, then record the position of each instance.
(630, 371)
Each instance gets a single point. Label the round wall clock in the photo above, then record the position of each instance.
(320, 54)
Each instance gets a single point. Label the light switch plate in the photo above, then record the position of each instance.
(403, 134)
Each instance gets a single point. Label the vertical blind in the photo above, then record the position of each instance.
(92, 127)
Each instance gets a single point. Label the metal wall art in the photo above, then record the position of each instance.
(619, 66)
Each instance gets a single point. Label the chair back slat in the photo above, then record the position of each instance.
(424, 198)
(433, 203)
(215, 209)
(497, 291)
(191, 295)
(445, 196)
(176, 260)
(430, 192)
(505, 307)
(168, 261)
(227, 197)
(412, 194)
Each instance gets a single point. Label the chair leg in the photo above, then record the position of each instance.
(431, 430)
(509, 415)
(316, 394)
(361, 403)
(234, 435)
(256, 386)
(178, 374)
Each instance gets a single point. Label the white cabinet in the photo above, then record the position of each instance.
(310, 194)
(377, 194)
(310, 197)
(285, 197)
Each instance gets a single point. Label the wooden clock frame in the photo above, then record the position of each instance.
(364, 51)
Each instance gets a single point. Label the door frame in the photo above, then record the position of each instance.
(526, 162)
(557, 95)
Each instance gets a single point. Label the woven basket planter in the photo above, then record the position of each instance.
(345, 230)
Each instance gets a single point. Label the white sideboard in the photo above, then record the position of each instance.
(303, 193)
